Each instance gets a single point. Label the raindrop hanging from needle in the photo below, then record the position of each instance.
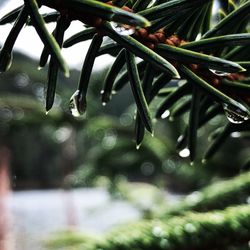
(234, 114)
(123, 29)
(73, 105)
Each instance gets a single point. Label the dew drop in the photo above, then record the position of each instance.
(113, 92)
(234, 114)
(184, 153)
(102, 91)
(73, 105)
(104, 103)
(165, 114)
(138, 146)
(47, 112)
(219, 73)
(122, 29)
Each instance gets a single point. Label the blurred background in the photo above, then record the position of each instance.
(59, 172)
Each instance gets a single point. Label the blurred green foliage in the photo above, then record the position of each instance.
(102, 145)
(178, 226)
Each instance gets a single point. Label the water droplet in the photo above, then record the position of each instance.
(138, 146)
(102, 91)
(74, 104)
(235, 114)
(165, 114)
(47, 112)
(151, 3)
(104, 103)
(113, 92)
(219, 73)
(184, 153)
(39, 68)
(191, 163)
(153, 134)
(122, 29)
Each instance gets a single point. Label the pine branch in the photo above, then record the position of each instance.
(199, 231)
(164, 35)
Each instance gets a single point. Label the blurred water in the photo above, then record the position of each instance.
(36, 214)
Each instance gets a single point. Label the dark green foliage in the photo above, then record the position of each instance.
(176, 39)
(210, 230)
